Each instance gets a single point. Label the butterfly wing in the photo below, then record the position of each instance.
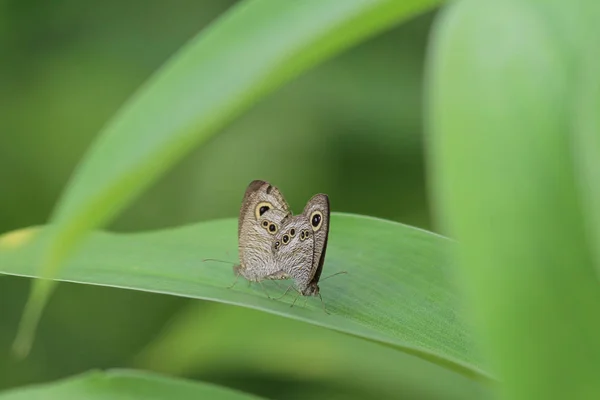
(293, 250)
(317, 212)
(262, 213)
(259, 192)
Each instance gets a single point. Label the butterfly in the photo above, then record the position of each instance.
(274, 244)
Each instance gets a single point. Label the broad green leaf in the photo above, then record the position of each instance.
(123, 385)
(397, 290)
(253, 49)
(505, 179)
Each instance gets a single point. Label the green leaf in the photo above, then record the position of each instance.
(253, 49)
(507, 188)
(397, 291)
(125, 385)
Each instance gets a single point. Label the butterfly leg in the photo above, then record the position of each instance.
(323, 304)
(234, 282)
(284, 293)
(305, 301)
(264, 290)
(276, 276)
(236, 272)
(292, 305)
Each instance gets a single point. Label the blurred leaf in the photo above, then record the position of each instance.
(320, 356)
(397, 291)
(249, 52)
(586, 142)
(123, 384)
(507, 187)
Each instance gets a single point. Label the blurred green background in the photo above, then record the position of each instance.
(351, 128)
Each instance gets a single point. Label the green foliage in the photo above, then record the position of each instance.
(513, 97)
(509, 187)
(205, 86)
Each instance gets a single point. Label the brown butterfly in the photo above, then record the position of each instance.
(274, 244)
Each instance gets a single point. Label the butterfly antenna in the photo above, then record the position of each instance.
(337, 273)
(221, 261)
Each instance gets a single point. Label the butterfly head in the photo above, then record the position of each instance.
(236, 270)
(311, 290)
